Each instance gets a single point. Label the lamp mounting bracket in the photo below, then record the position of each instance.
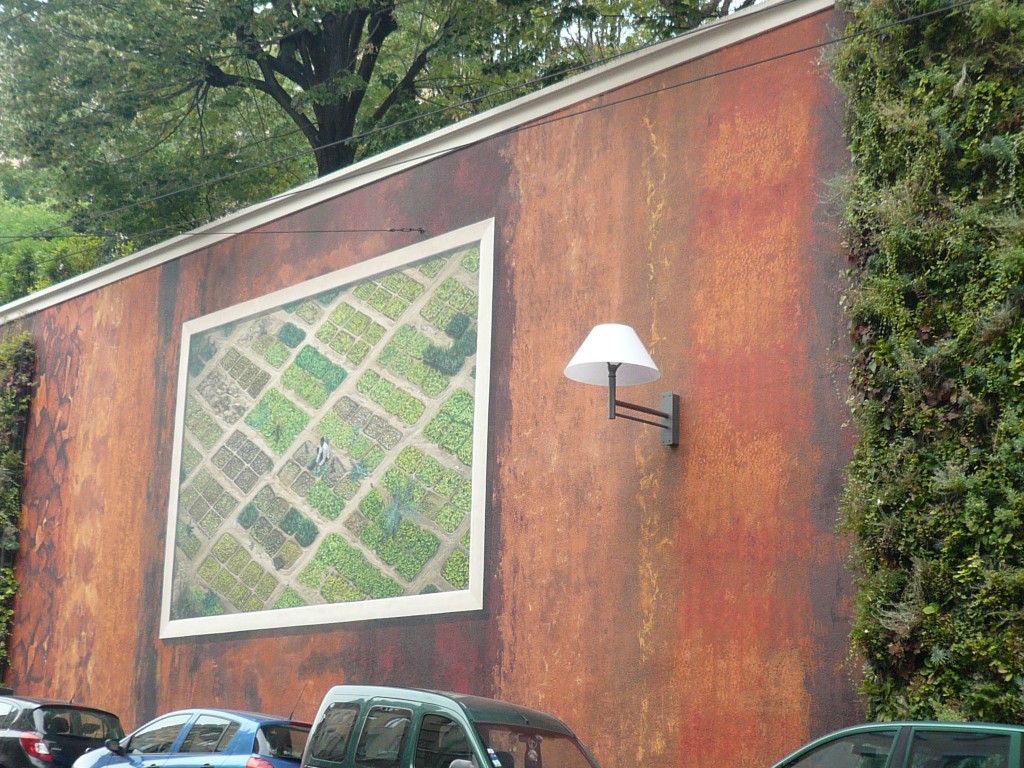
(668, 416)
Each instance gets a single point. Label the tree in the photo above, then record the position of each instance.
(159, 115)
(37, 247)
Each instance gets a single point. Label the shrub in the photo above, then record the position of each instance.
(456, 570)
(367, 382)
(372, 504)
(225, 547)
(290, 599)
(451, 518)
(466, 344)
(358, 351)
(447, 361)
(278, 354)
(301, 527)
(309, 389)
(429, 471)
(291, 335)
(325, 500)
(341, 314)
(316, 364)
(409, 459)
(209, 569)
(458, 325)
(364, 290)
(248, 516)
(357, 323)
(471, 261)
(278, 420)
(433, 267)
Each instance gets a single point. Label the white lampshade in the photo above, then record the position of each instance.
(612, 343)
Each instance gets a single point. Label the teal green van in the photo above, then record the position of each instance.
(913, 744)
(381, 727)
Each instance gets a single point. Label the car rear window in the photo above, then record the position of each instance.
(283, 741)
(77, 722)
(333, 734)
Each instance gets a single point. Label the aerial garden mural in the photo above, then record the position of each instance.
(329, 445)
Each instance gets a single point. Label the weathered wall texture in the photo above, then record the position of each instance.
(678, 607)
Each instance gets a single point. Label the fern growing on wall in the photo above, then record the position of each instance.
(935, 492)
(17, 366)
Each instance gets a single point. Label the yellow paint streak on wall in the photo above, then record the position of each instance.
(652, 740)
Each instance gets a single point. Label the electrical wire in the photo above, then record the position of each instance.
(510, 131)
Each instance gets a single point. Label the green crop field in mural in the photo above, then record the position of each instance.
(325, 451)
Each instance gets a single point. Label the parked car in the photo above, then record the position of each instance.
(916, 744)
(205, 738)
(380, 727)
(44, 733)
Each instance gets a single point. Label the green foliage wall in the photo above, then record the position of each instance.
(935, 493)
(17, 365)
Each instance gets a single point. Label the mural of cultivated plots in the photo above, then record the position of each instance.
(329, 447)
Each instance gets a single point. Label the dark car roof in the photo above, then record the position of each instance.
(44, 702)
(479, 708)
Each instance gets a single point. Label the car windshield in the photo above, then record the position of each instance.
(284, 741)
(77, 722)
(515, 747)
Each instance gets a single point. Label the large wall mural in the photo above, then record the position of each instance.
(329, 450)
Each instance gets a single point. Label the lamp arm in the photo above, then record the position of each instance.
(641, 409)
(669, 418)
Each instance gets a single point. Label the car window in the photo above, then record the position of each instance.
(159, 736)
(62, 720)
(284, 741)
(209, 734)
(869, 749)
(382, 741)
(523, 746)
(7, 713)
(440, 741)
(94, 724)
(332, 734)
(959, 749)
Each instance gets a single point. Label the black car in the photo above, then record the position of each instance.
(45, 733)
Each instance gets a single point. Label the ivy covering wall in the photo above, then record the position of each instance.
(935, 493)
(17, 366)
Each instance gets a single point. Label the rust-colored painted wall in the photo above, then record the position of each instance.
(678, 607)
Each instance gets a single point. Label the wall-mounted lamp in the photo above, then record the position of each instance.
(614, 353)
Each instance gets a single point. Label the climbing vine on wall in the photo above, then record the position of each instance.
(17, 365)
(935, 493)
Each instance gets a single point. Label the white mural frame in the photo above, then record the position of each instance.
(179, 534)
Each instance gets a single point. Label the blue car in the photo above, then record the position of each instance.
(205, 738)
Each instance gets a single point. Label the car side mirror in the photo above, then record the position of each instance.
(114, 746)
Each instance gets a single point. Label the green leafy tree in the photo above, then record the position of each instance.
(936, 488)
(131, 102)
(37, 247)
